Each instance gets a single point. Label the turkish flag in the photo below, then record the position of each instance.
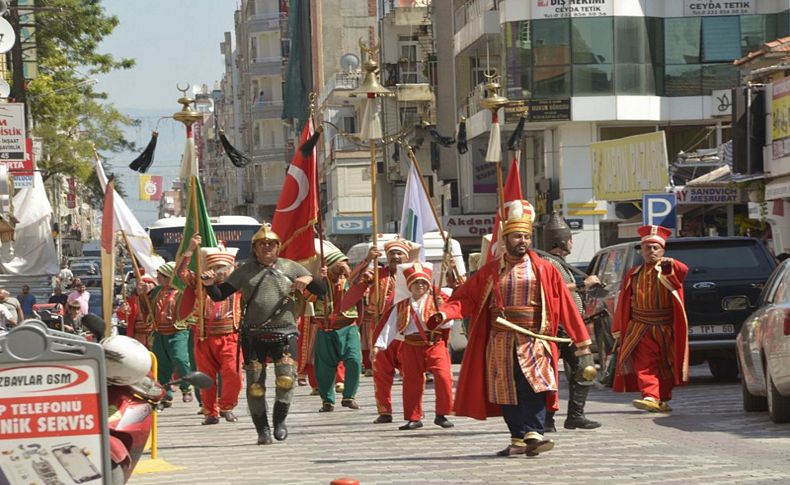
(512, 192)
(297, 208)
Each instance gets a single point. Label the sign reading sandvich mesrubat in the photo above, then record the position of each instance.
(630, 167)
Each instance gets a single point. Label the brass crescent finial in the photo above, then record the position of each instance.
(368, 50)
(490, 74)
(183, 90)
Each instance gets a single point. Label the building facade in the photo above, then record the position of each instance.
(592, 71)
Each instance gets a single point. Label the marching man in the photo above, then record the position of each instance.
(215, 355)
(424, 348)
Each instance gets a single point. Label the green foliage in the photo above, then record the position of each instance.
(69, 116)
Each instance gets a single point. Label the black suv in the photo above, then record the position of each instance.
(723, 285)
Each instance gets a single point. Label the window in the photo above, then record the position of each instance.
(253, 48)
(552, 82)
(592, 80)
(681, 40)
(551, 42)
(634, 79)
(633, 42)
(408, 116)
(682, 80)
(592, 40)
(721, 39)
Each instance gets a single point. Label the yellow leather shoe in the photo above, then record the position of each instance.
(647, 405)
(663, 407)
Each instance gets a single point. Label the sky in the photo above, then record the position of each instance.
(173, 42)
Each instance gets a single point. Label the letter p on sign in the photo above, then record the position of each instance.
(659, 210)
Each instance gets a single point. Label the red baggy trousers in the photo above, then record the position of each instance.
(384, 368)
(647, 362)
(415, 360)
(216, 356)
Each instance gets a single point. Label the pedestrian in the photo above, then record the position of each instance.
(65, 275)
(337, 338)
(558, 241)
(424, 347)
(269, 285)
(26, 301)
(650, 326)
(58, 296)
(13, 306)
(81, 295)
(215, 353)
(7, 319)
(139, 324)
(385, 364)
(510, 364)
(170, 335)
(72, 320)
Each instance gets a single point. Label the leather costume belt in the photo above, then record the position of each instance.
(416, 339)
(533, 326)
(661, 316)
(336, 323)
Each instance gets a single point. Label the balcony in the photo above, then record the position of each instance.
(473, 98)
(266, 66)
(340, 84)
(475, 20)
(267, 110)
(266, 22)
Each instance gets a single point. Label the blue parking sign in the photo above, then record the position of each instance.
(659, 210)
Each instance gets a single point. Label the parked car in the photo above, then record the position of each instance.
(722, 287)
(763, 346)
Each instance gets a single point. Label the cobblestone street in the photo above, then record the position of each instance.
(707, 439)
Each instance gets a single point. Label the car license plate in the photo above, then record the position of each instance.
(712, 329)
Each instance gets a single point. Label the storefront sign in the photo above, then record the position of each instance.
(352, 224)
(575, 224)
(52, 411)
(12, 132)
(539, 110)
(698, 8)
(630, 167)
(780, 114)
(468, 225)
(721, 102)
(711, 194)
(777, 189)
(557, 9)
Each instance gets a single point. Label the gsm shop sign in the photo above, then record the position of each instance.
(50, 422)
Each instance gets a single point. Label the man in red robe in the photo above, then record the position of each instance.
(650, 326)
(504, 371)
(137, 326)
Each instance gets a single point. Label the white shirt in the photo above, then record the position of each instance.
(6, 317)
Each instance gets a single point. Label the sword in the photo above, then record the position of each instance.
(530, 333)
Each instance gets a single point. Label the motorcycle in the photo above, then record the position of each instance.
(132, 395)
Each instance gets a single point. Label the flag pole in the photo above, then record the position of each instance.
(198, 285)
(371, 131)
(445, 237)
(319, 219)
(138, 277)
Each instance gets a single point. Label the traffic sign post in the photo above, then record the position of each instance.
(660, 210)
(53, 409)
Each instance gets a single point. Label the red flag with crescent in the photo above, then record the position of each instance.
(297, 208)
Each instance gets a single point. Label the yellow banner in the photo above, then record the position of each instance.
(627, 168)
(780, 109)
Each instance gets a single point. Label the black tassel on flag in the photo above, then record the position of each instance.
(309, 145)
(445, 141)
(514, 142)
(236, 157)
(461, 145)
(143, 162)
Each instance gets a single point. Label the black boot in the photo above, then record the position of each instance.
(576, 401)
(279, 415)
(260, 418)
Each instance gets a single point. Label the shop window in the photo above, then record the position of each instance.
(721, 39)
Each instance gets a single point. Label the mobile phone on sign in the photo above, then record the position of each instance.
(78, 466)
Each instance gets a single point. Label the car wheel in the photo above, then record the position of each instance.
(778, 405)
(724, 369)
(751, 402)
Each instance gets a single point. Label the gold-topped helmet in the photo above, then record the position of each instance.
(264, 233)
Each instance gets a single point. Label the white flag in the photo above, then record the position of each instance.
(139, 242)
(417, 216)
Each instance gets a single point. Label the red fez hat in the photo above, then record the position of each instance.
(417, 272)
(655, 234)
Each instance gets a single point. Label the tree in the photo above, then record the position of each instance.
(70, 117)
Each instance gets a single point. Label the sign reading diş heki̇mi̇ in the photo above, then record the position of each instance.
(53, 414)
(557, 9)
(12, 132)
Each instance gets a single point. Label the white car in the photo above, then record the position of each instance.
(763, 347)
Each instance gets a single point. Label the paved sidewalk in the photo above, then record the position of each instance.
(707, 439)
